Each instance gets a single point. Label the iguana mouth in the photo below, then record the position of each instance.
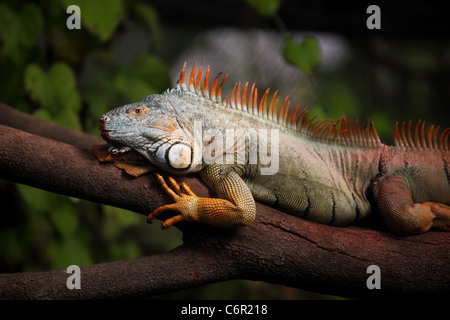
(105, 134)
(114, 149)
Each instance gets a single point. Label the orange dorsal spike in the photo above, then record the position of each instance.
(295, 120)
(375, 134)
(319, 127)
(435, 143)
(293, 113)
(286, 111)
(263, 105)
(315, 127)
(270, 111)
(255, 102)
(275, 109)
(244, 98)
(343, 122)
(334, 129)
(250, 98)
(346, 125)
(306, 127)
(405, 141)
(396, 134)
(441, 139)
(365, 134)
(214, 88)
(416, 137)
(205, 87)
(192, 79)
(446, 144)
(219, 89)
(410, 140)
(232, 103)
(430, 135)
(346, 130)
(300, 118)
(181, 82)
(357, 132)
(325, 133)
(238, 97)
(422, 135)
(199, 80)
(283, 109)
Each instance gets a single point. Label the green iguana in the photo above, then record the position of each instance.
(329, 172)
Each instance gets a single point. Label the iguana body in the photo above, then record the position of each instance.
(328, 172)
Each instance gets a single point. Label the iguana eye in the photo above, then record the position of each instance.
(179, 156)
(139, 111)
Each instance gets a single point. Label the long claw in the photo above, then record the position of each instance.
(185, 202)
(156, 212)
(187, 190)
(166, 188)
(171, 221)
(175, 186)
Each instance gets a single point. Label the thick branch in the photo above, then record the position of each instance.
(276, 247)
(25, 122)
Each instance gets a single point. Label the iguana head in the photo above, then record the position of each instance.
(154, 129)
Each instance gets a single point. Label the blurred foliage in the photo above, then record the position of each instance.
(100, 17)
(304, 55)
(72, 77)
(265, 7)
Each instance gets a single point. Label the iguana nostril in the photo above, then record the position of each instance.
(103, 120)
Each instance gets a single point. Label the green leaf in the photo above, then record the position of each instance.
(146, 75)
(305, 55)
(63, 82)
(32, 24)
(101, 17)
(19, 30)
(265, 7)
(56, 92)
(35, 84)
(149, 16)
(342, 100)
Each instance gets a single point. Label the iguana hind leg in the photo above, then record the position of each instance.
(402, 215)
(235, 205)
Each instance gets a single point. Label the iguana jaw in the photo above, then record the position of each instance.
(113, 148)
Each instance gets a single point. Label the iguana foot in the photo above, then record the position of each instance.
(239, 210)
(185, 203)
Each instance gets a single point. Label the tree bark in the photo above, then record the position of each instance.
(275, 248)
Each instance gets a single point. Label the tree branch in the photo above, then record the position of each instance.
(16, 119)
(276, 247)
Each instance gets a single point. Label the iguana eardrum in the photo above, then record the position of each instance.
(329, 172)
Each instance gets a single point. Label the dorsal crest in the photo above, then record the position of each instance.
(341, 131)
(430, 140)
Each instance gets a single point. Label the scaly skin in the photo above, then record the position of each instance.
(324, 174)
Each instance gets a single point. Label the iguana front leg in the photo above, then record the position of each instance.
(234, 207)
